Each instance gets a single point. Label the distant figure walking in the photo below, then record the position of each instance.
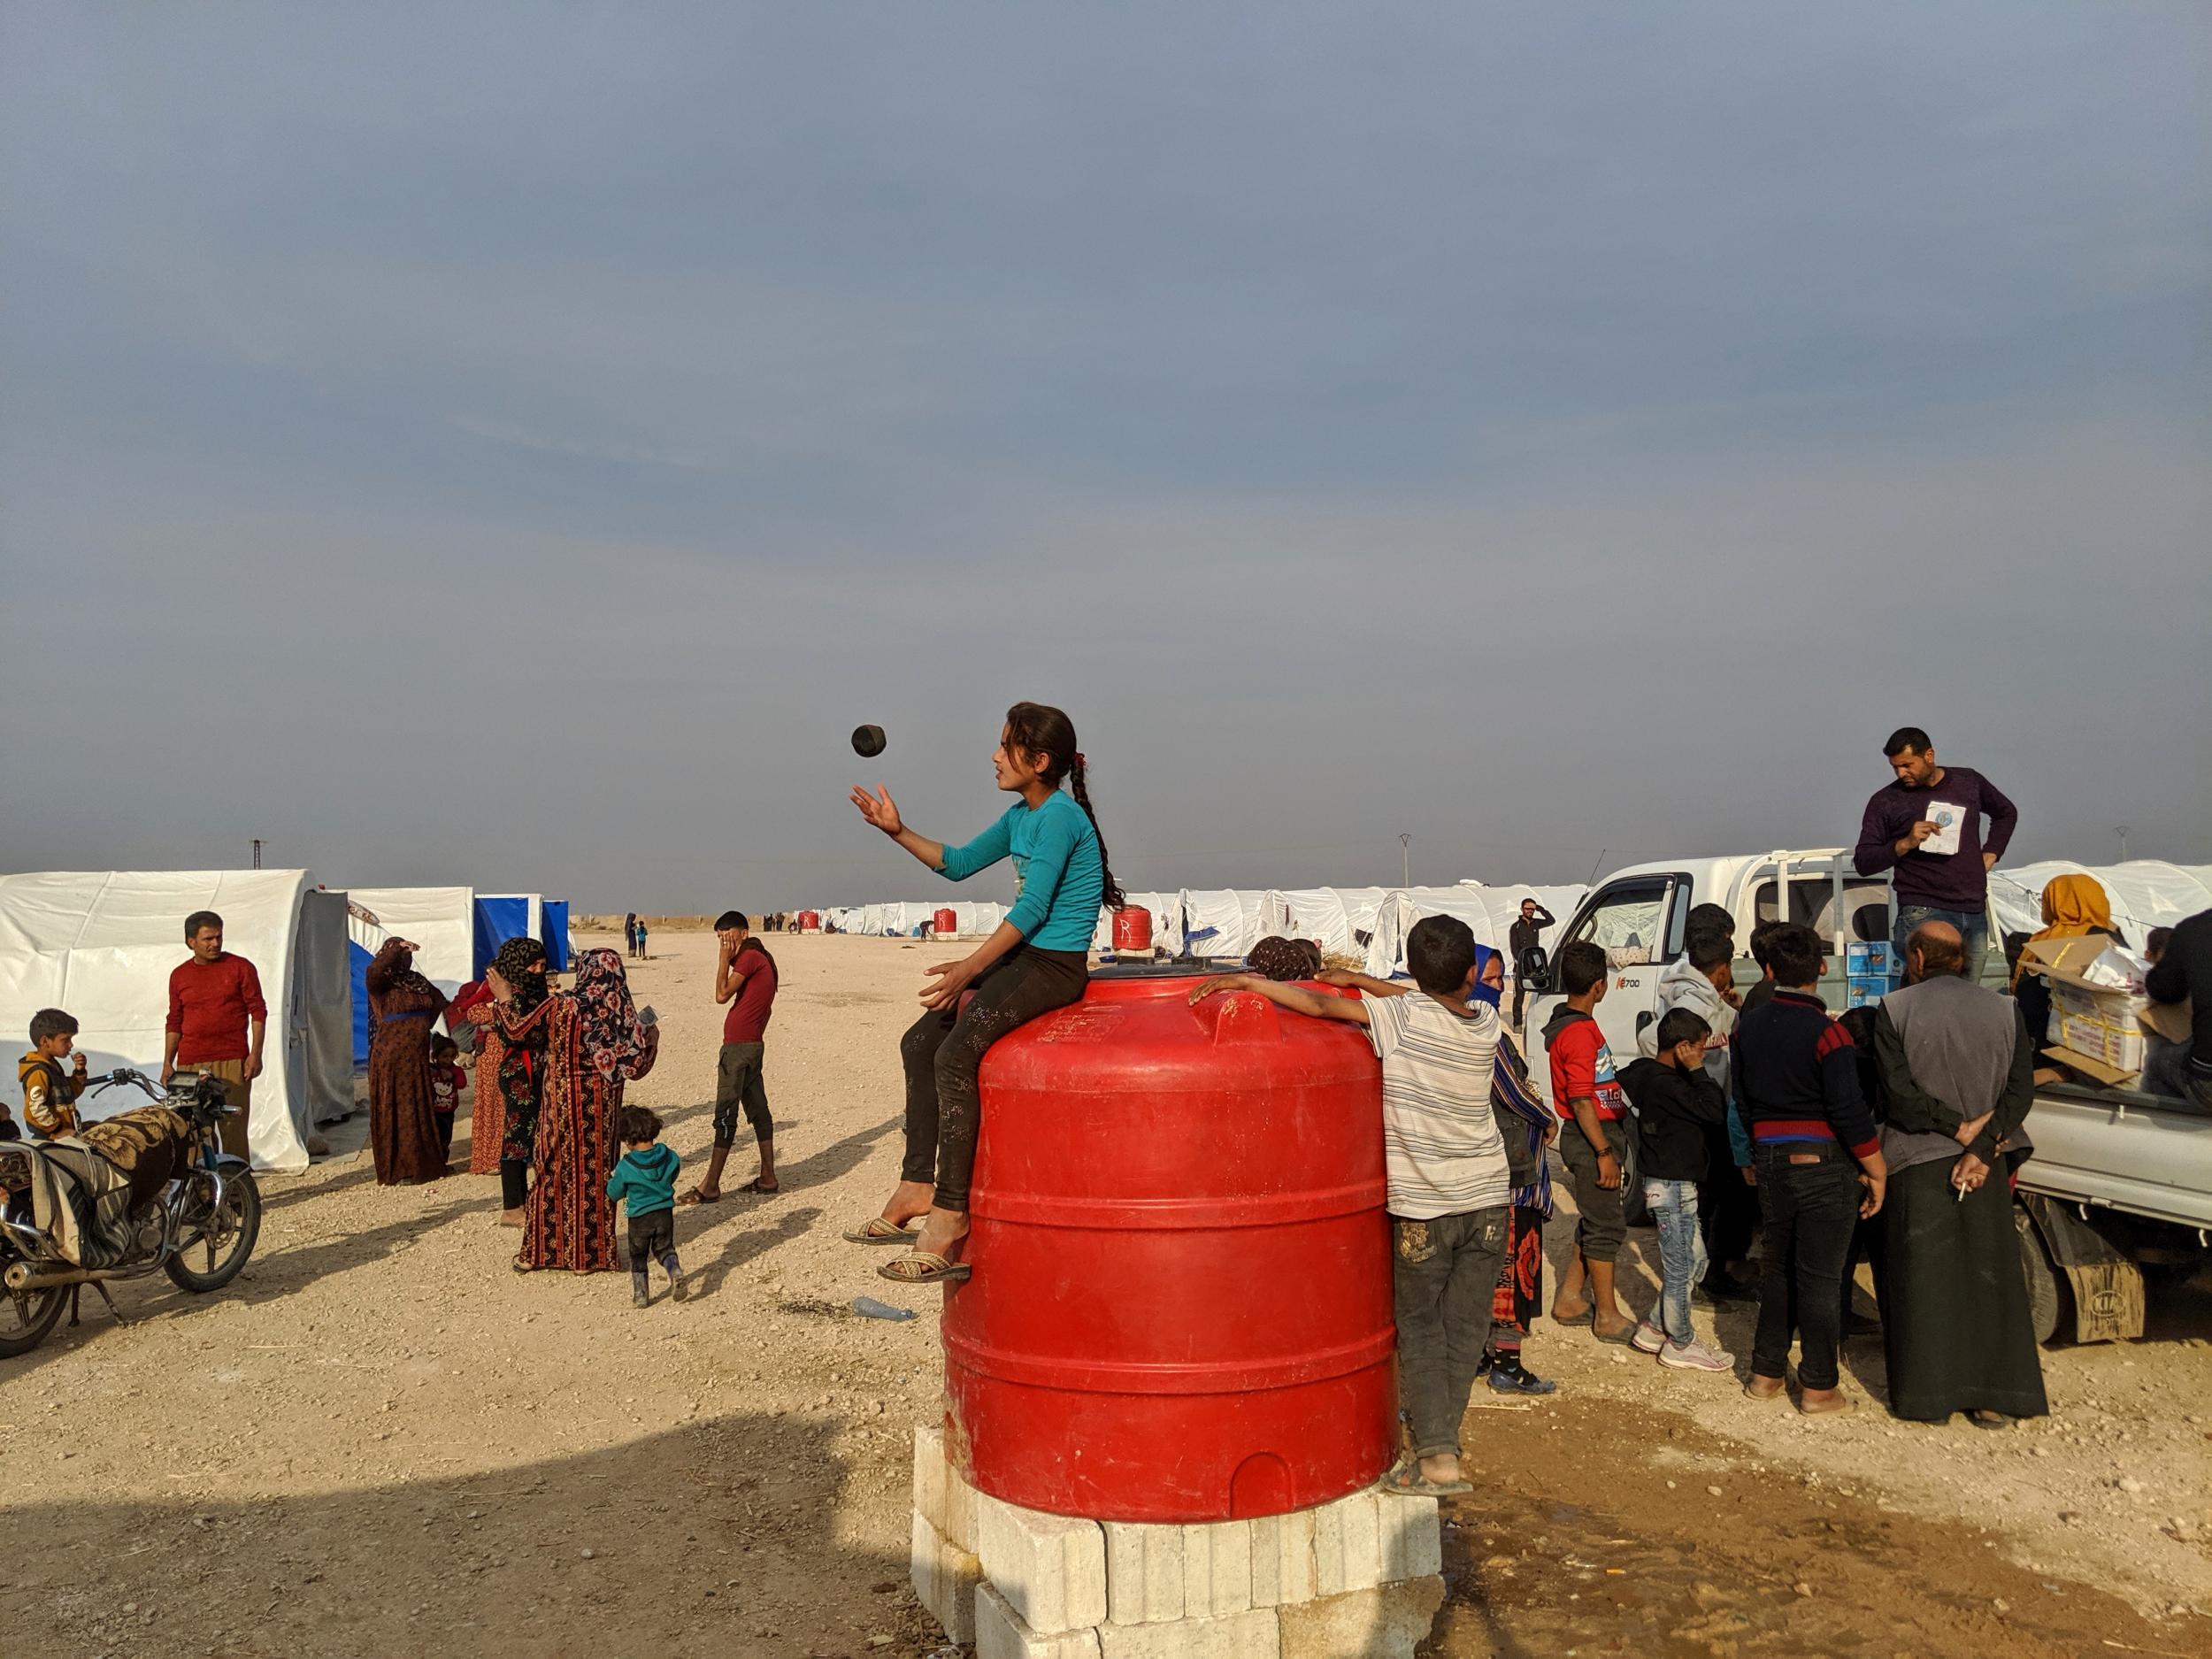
(629, 935)
(403, 1120)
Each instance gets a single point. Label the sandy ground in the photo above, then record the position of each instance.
(381, 1441)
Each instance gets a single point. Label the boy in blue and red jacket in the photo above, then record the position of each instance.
(1819, 1155)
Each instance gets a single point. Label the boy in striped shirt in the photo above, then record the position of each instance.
(1449, 1184)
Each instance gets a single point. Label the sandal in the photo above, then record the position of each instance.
(1619, 1339)
(924, 1267)
(1585, 1317)
(1405, 1479)
(1843, 1408)
(878, 1230)
(694, 1196)
(754, 1186)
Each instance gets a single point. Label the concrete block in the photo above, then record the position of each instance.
(1347, 1544)
(1251, 1634)
(1002, 1633)
(1217, 1568)
(1050, 1569)
(1413, 1537)
(945, 1578)
(1382, 1622)
(1144, 1573)
(1282, 1558)
(940, 1496)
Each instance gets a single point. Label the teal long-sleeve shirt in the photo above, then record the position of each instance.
(1059, 872)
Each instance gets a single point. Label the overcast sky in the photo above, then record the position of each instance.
(515, 445)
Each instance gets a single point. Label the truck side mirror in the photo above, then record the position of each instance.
(1644, 1019)
(1535, 969)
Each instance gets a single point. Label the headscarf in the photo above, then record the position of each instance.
(1276, 958)
(609, 1035)
(1483, 956)
(2074, 906)
(517, 963)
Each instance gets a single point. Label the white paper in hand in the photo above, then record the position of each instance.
(1948, 820)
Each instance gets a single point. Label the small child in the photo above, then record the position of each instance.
(641, 939)
(49, 1092)
(645, 1179)
(446, 1080)
(1678, 1105)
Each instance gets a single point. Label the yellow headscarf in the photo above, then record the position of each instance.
(2073, 906)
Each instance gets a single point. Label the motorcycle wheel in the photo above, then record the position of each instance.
(25, 1316)
(216, 1243)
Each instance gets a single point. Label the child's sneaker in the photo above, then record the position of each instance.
(1696, 1357)
(1649, 1339)
(677, 1289)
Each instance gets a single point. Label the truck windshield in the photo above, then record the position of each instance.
(1625, 920)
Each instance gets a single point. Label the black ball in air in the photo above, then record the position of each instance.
(868, 741)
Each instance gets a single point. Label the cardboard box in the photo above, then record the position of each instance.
(1863, 989)
(2109, 1076)
(1871, 957)
(2096, 1022)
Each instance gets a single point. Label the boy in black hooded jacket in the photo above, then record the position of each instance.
(1678, 1106)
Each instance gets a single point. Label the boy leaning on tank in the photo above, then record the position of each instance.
(1449, 1183)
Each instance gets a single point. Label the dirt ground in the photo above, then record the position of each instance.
(381, 1441)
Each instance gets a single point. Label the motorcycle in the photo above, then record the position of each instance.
(199, 1229)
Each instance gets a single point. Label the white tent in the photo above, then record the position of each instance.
(1213, 923)
(2144, 894)
(977, 921)
(441, 920)
(1489, 913)
(101, 945)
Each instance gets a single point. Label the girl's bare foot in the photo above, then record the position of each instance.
(942, 1230)
(909, 1200)
(511, 1218)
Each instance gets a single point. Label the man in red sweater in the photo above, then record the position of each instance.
(217, 1021)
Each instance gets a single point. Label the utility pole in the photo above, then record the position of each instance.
(257, 852)
(2121, 830)
(1405, 857)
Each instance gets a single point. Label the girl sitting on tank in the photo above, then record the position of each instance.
(1037, 960)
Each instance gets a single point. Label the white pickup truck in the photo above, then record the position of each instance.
(2120, 1181)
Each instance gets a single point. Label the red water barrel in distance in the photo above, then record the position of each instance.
(948, 925)
(1181, 1309)
(1132, 931)
(810, 922)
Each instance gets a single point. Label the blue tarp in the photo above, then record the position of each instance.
(497, 921)
(556, 925)
(359, 960)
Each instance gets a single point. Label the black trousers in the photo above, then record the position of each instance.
(943, 1051)
(653, 1239)
(1809, 1195)
(1726, 1208)
(737, 1084)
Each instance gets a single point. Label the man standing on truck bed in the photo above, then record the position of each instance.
(1927, 825)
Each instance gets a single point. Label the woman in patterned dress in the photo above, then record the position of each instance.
(402, 1006)
(594, 1044)
(515, 1060)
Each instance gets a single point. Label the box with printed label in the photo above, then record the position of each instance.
(1864, 956)
(1864, 989)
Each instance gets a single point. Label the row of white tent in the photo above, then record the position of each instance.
(1210, 924)
(102, 945)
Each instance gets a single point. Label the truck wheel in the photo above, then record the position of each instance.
(2048, 1296)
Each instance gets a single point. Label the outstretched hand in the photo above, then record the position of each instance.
(879, 809)
(1219, 982)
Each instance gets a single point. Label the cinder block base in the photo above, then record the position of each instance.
(945, 1578)
(1251, 1634)
(1050, 1569)
(1381, 1622)
(1358, 1579)
(1002, 1633)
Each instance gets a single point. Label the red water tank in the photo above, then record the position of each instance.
(948, 923)
(1132, 931)
(810, 922)
(1181, 1309)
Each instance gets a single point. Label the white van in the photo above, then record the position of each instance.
(1639, 917)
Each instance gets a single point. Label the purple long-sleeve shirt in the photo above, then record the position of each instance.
(1956, 881)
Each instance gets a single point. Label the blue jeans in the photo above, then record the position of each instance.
(1973, 928)
(1673, 1206)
